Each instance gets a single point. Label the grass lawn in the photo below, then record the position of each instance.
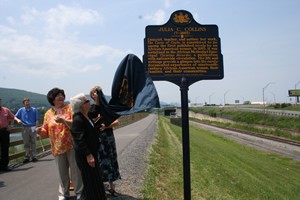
(276, 132)
(220, 169)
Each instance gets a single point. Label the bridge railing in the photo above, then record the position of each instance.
(17, 149)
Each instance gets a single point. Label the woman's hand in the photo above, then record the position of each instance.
(96, 119)
(94, 96)
(62, 120)
(59, 119)
(103, 127)
(91, 160)
(38, 130)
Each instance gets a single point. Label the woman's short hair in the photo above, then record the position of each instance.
(77, 101)
(53, 93)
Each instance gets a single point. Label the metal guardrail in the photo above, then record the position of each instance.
(287, 113)
(123, 121)
(284, 113)
(20, 154)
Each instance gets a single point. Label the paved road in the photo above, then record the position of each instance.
(39, 181)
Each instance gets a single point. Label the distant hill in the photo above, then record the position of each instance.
(12, 98)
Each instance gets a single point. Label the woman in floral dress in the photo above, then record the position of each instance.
(107, 151)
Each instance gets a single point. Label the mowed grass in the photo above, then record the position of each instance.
(220, 169)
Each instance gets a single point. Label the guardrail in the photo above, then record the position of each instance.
(284, 113)
(287, 113)
(45, 145)
(39, 149)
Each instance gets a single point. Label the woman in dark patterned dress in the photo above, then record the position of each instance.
(107, 151)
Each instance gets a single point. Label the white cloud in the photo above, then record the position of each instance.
(25, 54)
(93, 67)
(49, 51)
(29, 16)
(167, 3)
(62, 16)
(159, 17)
(4, 30)
(56, 21)
(11, 20)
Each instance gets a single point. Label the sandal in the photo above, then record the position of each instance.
(112, 192)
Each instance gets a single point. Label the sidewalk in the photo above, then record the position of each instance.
(39, 180)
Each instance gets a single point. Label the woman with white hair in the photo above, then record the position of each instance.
(86, 149)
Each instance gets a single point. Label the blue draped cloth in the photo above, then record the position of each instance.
(132, 91)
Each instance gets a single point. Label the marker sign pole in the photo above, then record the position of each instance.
(183, 52)
(185, 138)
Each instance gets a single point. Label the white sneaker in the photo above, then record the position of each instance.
(62, 198)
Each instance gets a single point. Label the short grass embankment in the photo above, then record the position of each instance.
(261, 123)
(264, 131)
(220, 169)
(264, 119)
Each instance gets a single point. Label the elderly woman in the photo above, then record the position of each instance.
(86, 148)
(57, 122)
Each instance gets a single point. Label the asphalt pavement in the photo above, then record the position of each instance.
(39, 180)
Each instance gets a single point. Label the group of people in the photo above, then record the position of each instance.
(84, 148)
(29, 118)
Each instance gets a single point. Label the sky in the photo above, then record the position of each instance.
(77, 44)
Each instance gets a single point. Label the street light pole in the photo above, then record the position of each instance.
(220, 101)
(264, 95)
(225, 97)
(196, 100)
(210, 97)
(243, 100)
(274, 97)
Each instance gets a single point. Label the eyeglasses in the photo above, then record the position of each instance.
(86, 101)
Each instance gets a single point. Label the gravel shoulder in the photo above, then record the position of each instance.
(133, 163)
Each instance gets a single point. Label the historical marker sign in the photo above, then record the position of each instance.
(183, 48)
(183, 52)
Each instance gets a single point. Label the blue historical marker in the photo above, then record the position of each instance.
(183, 48)
(183, 52)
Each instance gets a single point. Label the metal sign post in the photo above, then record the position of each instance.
(183, 52)
(185, 138)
